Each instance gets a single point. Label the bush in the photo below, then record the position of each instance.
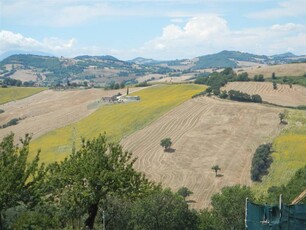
(143, 84)
(261, 162)
(2, 111)
(259, 77)
(14, 121)
(240, 96)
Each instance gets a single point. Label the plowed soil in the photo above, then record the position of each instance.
(204, 132)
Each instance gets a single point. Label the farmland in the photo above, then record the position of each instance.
(289, 153)
(117, 120)
(205, 132)
(283, 95)
(296, 69)
(16, 93)
(48, 110)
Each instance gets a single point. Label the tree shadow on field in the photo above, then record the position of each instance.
(219, 175)
(170, 150)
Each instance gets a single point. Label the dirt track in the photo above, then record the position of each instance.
(204, 132)
(50, 109)
(283, 95)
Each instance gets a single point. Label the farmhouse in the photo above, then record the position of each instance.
(112, 99)
(128, 98)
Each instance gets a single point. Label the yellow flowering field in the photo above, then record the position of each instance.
(290, 152)
(116, 120)
(16, 93)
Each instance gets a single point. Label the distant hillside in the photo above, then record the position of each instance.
(96, 70)
(228, 59)
(106, 57)
(13, 52)
(143, 61)
(232, 59)
(106, 70)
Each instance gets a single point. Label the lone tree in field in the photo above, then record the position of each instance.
(216, 168)
(273, 76)
(281, 118)
(166, 143)
(274, 85)
(184, 192)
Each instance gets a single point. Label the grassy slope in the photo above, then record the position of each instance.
(116, 120)
(16, 93)
(290, 152)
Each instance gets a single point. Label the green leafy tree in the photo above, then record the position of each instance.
(20, 179)
(166, 143)
(261, 161)
(216, 168)
(163, 210)
(295, 186)
(82, 181)
(273, 76)
(229, 207)
(281, 117)
(207, 220)
(184, 192)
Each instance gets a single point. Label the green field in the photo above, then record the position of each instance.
(16, 93)
(117, 120)
(290, 152)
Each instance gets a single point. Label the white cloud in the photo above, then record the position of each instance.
(210, 34)
(16, 41)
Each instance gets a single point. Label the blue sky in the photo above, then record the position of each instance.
(160, 29)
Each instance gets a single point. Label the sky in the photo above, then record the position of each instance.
(158, 29)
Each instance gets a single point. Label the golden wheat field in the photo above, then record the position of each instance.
(205, 132)
(295, 69)
(283, 95)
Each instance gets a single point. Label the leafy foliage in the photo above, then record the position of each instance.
(216, 168)
(261, 161)
(98, 169)
(166, 143)
(163, 210)
(244, 97)
(259, 78)
(228, 209)
(13, 121)
(184, 192)
(19, 180)
(295, 186)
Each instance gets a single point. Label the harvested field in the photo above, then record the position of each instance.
(296, 69)
(118, 120)
(50, 109)
(205, 132)
(283, 95)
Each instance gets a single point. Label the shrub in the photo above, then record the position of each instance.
(261, 162)
(14, 121)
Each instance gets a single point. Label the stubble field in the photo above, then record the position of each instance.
(205, 132)
(283, 95)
